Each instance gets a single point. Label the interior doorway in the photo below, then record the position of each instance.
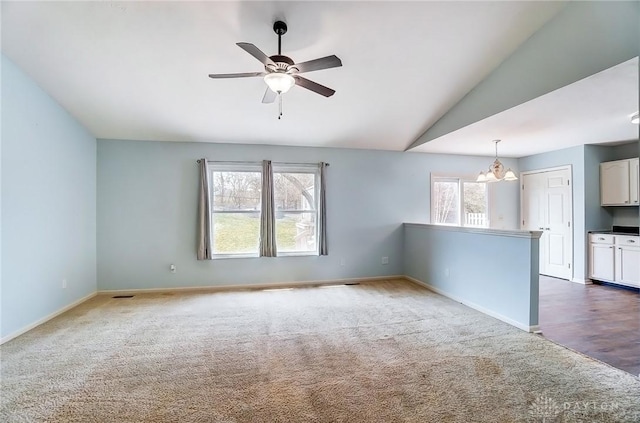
(546, 205)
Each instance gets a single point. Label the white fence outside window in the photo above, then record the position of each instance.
(475, 219)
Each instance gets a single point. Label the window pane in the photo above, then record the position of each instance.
(446, 202)
(236, 191)
(236, 233)
(294, 191)
(296, 232)
(475, 204)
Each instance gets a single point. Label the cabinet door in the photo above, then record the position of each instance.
(601, 262)
(628, 265)
(614, 183)
(633, 182)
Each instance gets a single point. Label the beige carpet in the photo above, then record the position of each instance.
(379, 352)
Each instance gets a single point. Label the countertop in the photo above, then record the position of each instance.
(618, 230)
(613, 233)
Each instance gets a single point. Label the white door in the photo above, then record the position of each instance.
(533, 219)
(547, 207)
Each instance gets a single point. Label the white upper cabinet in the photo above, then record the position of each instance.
(619, 183)
(633, 183)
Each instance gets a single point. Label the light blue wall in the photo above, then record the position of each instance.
(48, 204)
(147, 199)
(491, 272)
(583, 39)
(596, 216)
(626, 151)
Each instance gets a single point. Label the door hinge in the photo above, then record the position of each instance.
(522, 186)
(569, 265)
(523, 223)
(569, 224)
(568, 182)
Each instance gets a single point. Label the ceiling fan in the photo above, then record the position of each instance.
(280, 72)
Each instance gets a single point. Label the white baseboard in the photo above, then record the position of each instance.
(46, 318)
(214, 288)
(581, 281)
(526, 328)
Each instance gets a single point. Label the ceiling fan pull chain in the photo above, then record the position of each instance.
(279, 106)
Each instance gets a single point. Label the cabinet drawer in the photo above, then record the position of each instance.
(602, 238)
(630, 241)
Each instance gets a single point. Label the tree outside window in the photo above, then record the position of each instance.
(459, 202)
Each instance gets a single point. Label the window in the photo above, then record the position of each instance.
(459, 202)
(236, 209)
(296, 207)
(236, 214)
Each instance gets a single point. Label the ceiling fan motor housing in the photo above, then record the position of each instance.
(283, 63)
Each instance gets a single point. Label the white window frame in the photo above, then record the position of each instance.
(460, 180)
(256, 167)
(232, 167)
(310, 169)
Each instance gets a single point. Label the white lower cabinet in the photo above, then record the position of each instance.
(615, 258)
(602, 262)
(627, 266)
(601, 257)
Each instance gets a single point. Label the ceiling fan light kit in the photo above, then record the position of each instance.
(496, 172)
(279, 82)
(281, 72)
(635, 118)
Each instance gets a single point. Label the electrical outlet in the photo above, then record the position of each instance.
(172, 268)
(385, 260)
(64, 284)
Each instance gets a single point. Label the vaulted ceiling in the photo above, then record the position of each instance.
(138, 70)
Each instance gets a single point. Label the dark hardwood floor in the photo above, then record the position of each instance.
(600, 321)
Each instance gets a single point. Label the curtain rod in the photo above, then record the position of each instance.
(242, 162)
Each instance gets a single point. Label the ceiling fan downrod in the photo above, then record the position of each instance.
(280, 28)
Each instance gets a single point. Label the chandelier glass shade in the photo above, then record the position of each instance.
(496, 171)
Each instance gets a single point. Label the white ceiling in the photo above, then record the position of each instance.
(138, 70)
(594, 110)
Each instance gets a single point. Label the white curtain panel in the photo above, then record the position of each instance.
(267, 217)
(205, 245)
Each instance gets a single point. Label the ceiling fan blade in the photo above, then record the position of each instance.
(236, 75)
(257, 53)
(317, 64)
(314, 86)
(269, 96)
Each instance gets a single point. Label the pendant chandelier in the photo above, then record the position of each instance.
(496, 171)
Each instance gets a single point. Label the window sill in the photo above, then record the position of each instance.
(298, 254)
(234, 256)
(245, 256)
